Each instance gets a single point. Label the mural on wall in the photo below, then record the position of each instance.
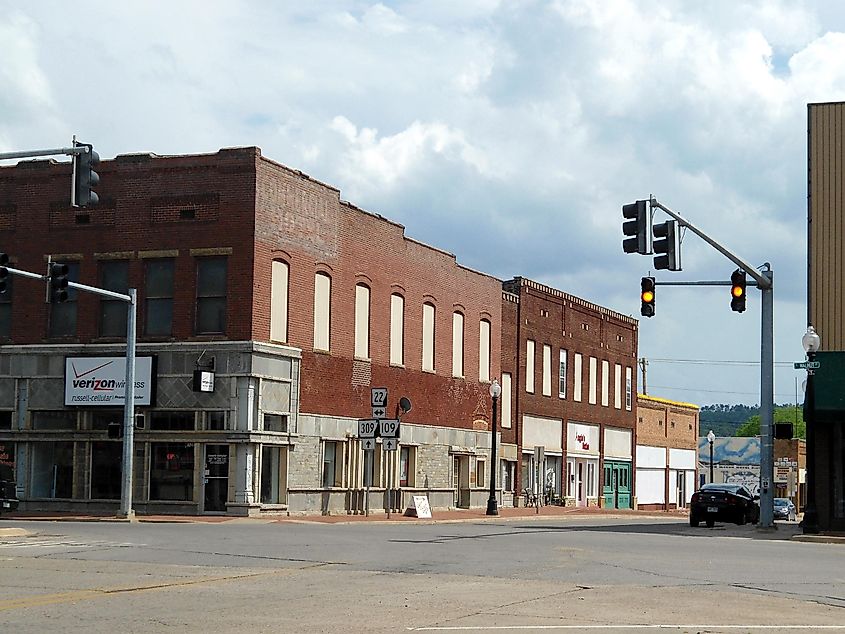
(735, 461)
(730, 451)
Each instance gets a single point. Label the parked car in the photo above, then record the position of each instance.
(724, 502)
(785, 509)
(8, 496)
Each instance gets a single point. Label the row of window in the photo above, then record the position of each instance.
(159, 293)
(155, 420)
(363, 325)
(578, 371)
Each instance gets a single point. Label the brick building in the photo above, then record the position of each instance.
(568, 371)
(667, 445)
(299, 301)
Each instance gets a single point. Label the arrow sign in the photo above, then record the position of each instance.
(378, 412)
(391, 444)
(368, 444)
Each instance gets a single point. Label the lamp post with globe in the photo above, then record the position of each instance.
(492, 505)
(811, 342)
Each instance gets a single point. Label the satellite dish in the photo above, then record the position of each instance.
(405, 404)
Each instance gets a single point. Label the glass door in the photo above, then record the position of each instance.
(216, 478)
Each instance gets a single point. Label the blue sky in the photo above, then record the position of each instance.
(509, 133)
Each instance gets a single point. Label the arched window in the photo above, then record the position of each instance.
(322, 310)
(428, 337)
(457, 344)
(362, 321)
(397, 329)
(484, 350)
(279, 301)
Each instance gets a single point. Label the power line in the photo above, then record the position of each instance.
(695, 389)
(717, 362)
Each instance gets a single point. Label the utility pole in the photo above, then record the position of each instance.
(643, 367)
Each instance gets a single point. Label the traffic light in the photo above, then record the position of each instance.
(647, 297)
(58, 282)
(668, 243)
(84, 176)
(4, 272)
(738, 291)
(636, 225)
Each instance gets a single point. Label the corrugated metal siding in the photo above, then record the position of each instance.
(826, 221)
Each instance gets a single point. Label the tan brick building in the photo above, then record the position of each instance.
(667, 446)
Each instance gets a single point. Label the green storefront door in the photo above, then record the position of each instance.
(617, 485)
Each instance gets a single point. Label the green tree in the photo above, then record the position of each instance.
(783, 414)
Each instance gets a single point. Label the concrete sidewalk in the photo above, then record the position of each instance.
(450, 515)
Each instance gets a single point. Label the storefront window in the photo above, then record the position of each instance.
(54, 421)
(275, 422)
(215, 421)
(330, 463)
(7, 460)
(508, 473)
(171, 421)
(106, 471)
(5, 420)
(270, 470)
(407, 466)
(172, 471)
(100, 419)
(52, 470)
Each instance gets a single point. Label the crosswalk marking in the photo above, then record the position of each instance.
(58, 542)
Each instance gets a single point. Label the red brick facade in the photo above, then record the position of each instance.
(237, 204)
(550, 317)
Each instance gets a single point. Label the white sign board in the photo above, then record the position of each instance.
(95, 381)
(368, 444)
(391, 444)
(379, 412)
(367, 428)
(388, 428)
(421, 507)
(378, 397)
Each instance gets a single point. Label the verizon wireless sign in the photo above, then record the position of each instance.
(102, 381)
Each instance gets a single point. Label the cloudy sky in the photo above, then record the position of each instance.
(507, 132)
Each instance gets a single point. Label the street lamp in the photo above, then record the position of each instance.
(492, 506)
(710, 438)
(811, 342)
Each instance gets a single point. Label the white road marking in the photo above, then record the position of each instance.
(60, 543)
(618, 626)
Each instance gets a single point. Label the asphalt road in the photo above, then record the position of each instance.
(565, 574)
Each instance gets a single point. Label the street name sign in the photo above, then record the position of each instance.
(367, 428)
(807, 365)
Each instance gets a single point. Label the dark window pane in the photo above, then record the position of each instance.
(211, 277)
(171, 421)
(57, 420)
(159, 281)
(114, 276)
(106, 471)
(52, 470)
(158, 291)
(172, 471)
(100, 419)
(215, 420)
(211, 315)
(275, 422)
(211, 295)
(113, 315)
(159, 317)
(6, 309)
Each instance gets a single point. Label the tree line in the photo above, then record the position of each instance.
(744, 420)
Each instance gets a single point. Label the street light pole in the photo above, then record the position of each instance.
(811, 342)
(492, 505)
(710, 438)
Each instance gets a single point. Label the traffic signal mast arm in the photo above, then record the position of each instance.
(76, 285)
(763, 282)
(70, 151)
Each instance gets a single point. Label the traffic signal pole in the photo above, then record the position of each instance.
(765, 282)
